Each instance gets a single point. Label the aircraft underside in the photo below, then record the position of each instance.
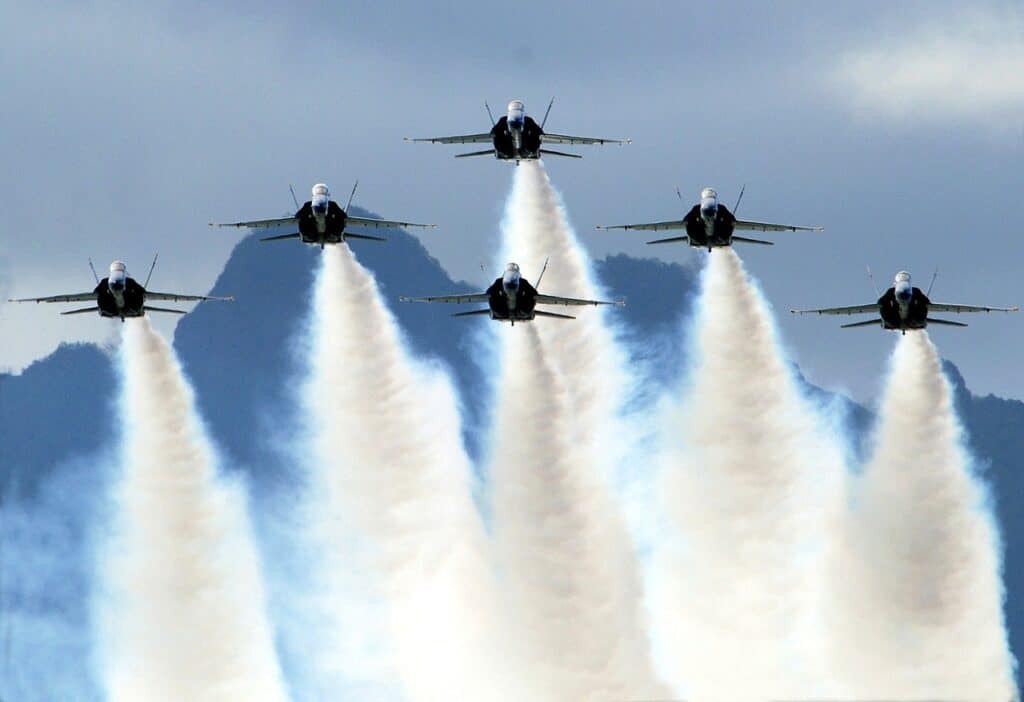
(122, 314)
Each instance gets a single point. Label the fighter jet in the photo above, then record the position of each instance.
(710, 224)
(119, 295)
(517, 137)
(904, 307)
(512, 299)
(321, 221)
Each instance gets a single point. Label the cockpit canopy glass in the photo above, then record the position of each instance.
(320, 190)
(902, 277)
(118, 266)
(515, 106)
(512, 267)
(708, 193)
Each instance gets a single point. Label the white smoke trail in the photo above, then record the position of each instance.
(184, 617)
(568, 567)
(563, 538)
(918, 599)
(747, 484)
(584, 351)
(397, 493)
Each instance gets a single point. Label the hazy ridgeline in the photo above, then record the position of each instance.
(777, 569)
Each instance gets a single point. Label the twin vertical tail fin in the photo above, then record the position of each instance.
(146, 285)
(542, 271)
(873, 283)
(546, 113)
(736, 207)
(351, 195)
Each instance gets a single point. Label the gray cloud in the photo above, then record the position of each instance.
(962, 66)
(128, 129)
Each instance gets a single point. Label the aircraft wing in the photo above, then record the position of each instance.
(943, 307)
(485, 138)
(764, 227)
(75, 297)
(852, 309)
(383, 223)
(185, 298)
(556, 300)
(457, 299)
(550, 138)
(651, 227)
(258, 223)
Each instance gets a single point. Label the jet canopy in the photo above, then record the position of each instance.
(902, 277)
(118, 266)
(516, 106)
(320, 190)
(512, 267)
(708, 194)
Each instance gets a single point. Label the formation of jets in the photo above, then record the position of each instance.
(517, 137)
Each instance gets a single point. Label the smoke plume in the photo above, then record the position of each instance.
(747, 483)
(567, 558)
(396, 494)
(569, 569)
(916, 572)
(184, 615)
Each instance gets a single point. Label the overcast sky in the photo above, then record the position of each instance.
(898, 126)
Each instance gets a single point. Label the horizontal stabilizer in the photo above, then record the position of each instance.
(163, 309)
(472, 313)
(542, 313)
(82, 310)
(745, 240)
(281, 237)
(549, 152)
(488, 152)
(671, 240)
(868, 323)
(946, 322)
(366, 237)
